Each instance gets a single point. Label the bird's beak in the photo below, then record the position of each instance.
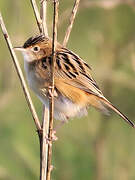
(19, 49)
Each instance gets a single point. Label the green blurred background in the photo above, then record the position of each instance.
(95, 147)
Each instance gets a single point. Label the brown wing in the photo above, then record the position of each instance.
(75, 71)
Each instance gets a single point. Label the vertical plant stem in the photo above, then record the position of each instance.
(37, 15)
(20, 74)
(42, 25)
(44, 144)
(51, 102)
(71, 21)
(43, 12)
(40, 18)
(45, 118)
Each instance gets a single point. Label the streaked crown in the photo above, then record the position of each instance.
(35, 40)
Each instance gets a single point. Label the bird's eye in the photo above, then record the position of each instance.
(36, 49)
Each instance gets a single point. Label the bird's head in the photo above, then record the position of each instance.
(36, 48)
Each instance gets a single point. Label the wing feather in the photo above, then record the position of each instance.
(78, 73)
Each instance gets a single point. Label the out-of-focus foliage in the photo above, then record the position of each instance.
(94, 147)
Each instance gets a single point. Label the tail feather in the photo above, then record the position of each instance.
(111, 106)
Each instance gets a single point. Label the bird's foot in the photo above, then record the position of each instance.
(49, 140)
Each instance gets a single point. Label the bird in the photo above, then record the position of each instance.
(75, 90)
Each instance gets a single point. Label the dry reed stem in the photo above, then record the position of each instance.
(44, 144)
(71, 21)
(41, 22)
(40, 18)
(20, 74)
(43, 13)
(42, 25)
(45, 118)
(37, 15)
(51, 102)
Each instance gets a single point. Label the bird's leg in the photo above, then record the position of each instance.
(50, 91)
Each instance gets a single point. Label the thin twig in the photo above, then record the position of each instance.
(37, 15)
(44, 144)
(42, 25)
(40, 18)
(45, 118)
(51, 102)
(71, 21)
(20, 74)
(43, 13)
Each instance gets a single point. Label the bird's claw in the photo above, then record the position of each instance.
(52, 138)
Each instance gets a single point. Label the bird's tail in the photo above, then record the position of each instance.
(111, 106)
(101, 103)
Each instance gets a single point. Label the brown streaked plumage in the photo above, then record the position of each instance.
(75, 88)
